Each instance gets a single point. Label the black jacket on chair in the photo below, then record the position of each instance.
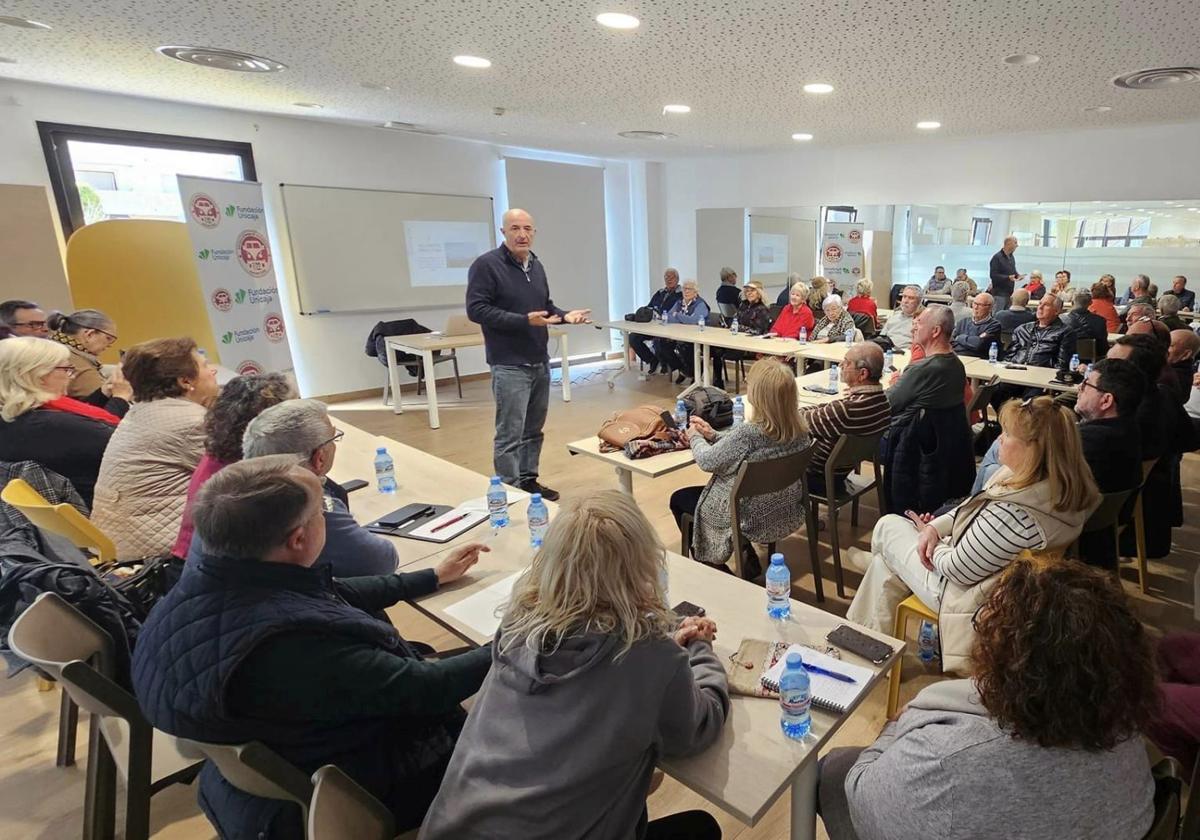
(928, 459)
(383, 329)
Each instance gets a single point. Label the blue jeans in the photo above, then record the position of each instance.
(522, 394)
(989, 464)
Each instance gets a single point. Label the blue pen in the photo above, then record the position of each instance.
(816, 669)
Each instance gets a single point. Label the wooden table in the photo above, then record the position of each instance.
(426, 344)
(651, 467)
(1030, 377)
(752, 763)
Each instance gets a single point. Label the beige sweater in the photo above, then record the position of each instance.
(142, 487)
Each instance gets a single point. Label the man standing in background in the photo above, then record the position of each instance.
(508, 295)
(1003, 273)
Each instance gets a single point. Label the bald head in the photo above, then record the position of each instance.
(1185, 344)
(518, 231)
(865, 362)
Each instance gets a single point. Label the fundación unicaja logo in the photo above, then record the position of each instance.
(227, 338)
(230, 210)
(240, 296)
(204, 254)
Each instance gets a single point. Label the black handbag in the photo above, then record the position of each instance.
(644, 315)
(712, 405)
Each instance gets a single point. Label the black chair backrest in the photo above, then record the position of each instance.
(852, 450)
(1167, 793)
(865, 324)
(1107, 514)
(983, 396)
(727, 310)
(775, 309)
(714, 319)
(1086, 348)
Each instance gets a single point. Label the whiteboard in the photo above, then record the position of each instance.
(356, 250)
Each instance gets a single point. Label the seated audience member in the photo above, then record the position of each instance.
(819, 288)
(774, 431)
(661, 302)
(863, 301)
(256, 643)
(1063, 686)
(1040, 498)
(678, 355)
(1154, 328)
(88, 333)
(863, 411)
(727, 292)
(834, 321)
(938, 283)
(24, 318)
(958, 301)
(936, 380)
(240, 401)
(1152, 293)
(590, 658)
(302, 429)
(1175, 727)
(975, 335)
(1181, 357)
(1062, 282)
(1138, 313)
(795, 314)
(1035, 286)
(1139, 291)
(1045, 342)
(784, 296)
(1179, 289)
(896, 331)
(1168, 310)
(1085, 324)
(961, 276)
(142, 487)
(1102, 305)
(40, 423)
(1111, 282)
(754, 318)
(1017, 313)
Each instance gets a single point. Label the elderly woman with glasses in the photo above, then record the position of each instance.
(1038, 499)
(834, 321)
(87, 333)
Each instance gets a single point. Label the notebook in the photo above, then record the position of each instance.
(827, 693)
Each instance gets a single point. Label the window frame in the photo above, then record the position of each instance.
(850, 211)
(985, 223)
(55, 136)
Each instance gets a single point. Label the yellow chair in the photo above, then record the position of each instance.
(60, 519)
(1139, 525)
(910, 607)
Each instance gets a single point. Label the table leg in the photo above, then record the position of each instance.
(394, 376)
(431, 389)
(566, 368)
(625, 477)
(804, 802)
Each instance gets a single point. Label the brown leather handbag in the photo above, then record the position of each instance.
(645, 421)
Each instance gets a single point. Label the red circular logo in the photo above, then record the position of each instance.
(253, 253)
(204, 210)
(856, 270)
(855, 235)
(222, 300)
(273, 327)
(833, 254)
(249, 368)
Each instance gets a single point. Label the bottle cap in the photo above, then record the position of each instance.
(536, 497)
(777, 559)
(382, 450)
(795, 660)
(495, 479)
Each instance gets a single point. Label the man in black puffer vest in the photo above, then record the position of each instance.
(256, 644)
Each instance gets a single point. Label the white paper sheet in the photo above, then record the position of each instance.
(473, 518)
(483, 610)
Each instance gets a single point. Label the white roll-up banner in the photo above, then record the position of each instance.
(842, 253)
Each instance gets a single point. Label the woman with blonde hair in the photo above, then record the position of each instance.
(819, 288)
(40, 423)
(1038, 499)
(775, 430)
(592, 681)
(864, 301)
(795, 314)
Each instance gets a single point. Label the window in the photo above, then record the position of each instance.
(981, 230)
(1117, 232)
(841, 214)
(1046, 240)
(103, 173)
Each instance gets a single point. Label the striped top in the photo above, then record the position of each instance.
(864, 411)
(992, 541)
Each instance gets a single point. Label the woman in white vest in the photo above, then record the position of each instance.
(1038, 499)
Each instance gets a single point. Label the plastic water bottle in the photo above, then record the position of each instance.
(779, 588)
(739, 411)
(681, 414)
(849, 337)
(701, 324)
(795, 699)
(927, 642)
(804, 335)
(887, 360)
(1074, 362)
(385, 471)
(539, 520)
(733, 325)
(834, 373)
(1090, 368)
(993, 353)
(497, 502)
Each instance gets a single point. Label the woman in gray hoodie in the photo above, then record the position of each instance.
(592, 681)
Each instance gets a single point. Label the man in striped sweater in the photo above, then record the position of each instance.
(864, 411)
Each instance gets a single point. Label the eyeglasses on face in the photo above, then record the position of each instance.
(68, 369)
(338, 435)
(1086, 384)
(37, 325)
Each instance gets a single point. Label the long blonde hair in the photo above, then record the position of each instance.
(771, 389)
(1056, 454)
(24, 361)
(599, 570)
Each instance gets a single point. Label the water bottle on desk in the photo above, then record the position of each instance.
(497, 502)
(539, 520)
(849, 336)
(887, 360)
(1074, 362)
(779, 588)
(681, 415)
(834, 373)
(733, 325)
(804, 335)
(993, 353)
(795, 698)
(385, 471)
(739, 411)
(927, 642)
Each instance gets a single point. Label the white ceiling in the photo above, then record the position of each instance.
(569, 84)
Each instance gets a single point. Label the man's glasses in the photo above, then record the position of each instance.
(338, 435)
(37, 325)
(1086, 384)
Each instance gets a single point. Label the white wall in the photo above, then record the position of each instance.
(328, 348)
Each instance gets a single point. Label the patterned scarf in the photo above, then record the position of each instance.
(75, 344)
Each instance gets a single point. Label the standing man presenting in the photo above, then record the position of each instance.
(1003, 271)
(509, 297)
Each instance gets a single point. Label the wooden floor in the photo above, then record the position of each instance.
(38, 800)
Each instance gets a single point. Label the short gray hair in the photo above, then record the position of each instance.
(836, 300)
(868, 356)
(726, 273)
(1082, 300)
(941, 316)
(912, 287)
(250, 507)
(1141, 280)
(688, 284)
(1037, 272)
(1169, 305)
(292, 427)
(958, 291)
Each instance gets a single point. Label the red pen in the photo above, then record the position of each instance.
(458, 518)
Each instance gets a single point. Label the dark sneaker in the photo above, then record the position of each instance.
(680, 378)
(653, 369)
(533, 487)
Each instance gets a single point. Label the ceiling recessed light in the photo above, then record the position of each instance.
(818, 87)
(1158, 78)
(617, 20)
(1022, 59)
(222, 59)
(928, 125)
(1097, 109)
(23, 23)
(374, 86)
(308, 105)
(676, 109)
(646, 135)
(800, 135)
(472, 61)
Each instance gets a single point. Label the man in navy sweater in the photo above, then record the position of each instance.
(508, 295)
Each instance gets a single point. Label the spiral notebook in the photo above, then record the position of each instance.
(827, 693)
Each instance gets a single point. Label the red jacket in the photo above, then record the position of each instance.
(789, 322)
(865, 305)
